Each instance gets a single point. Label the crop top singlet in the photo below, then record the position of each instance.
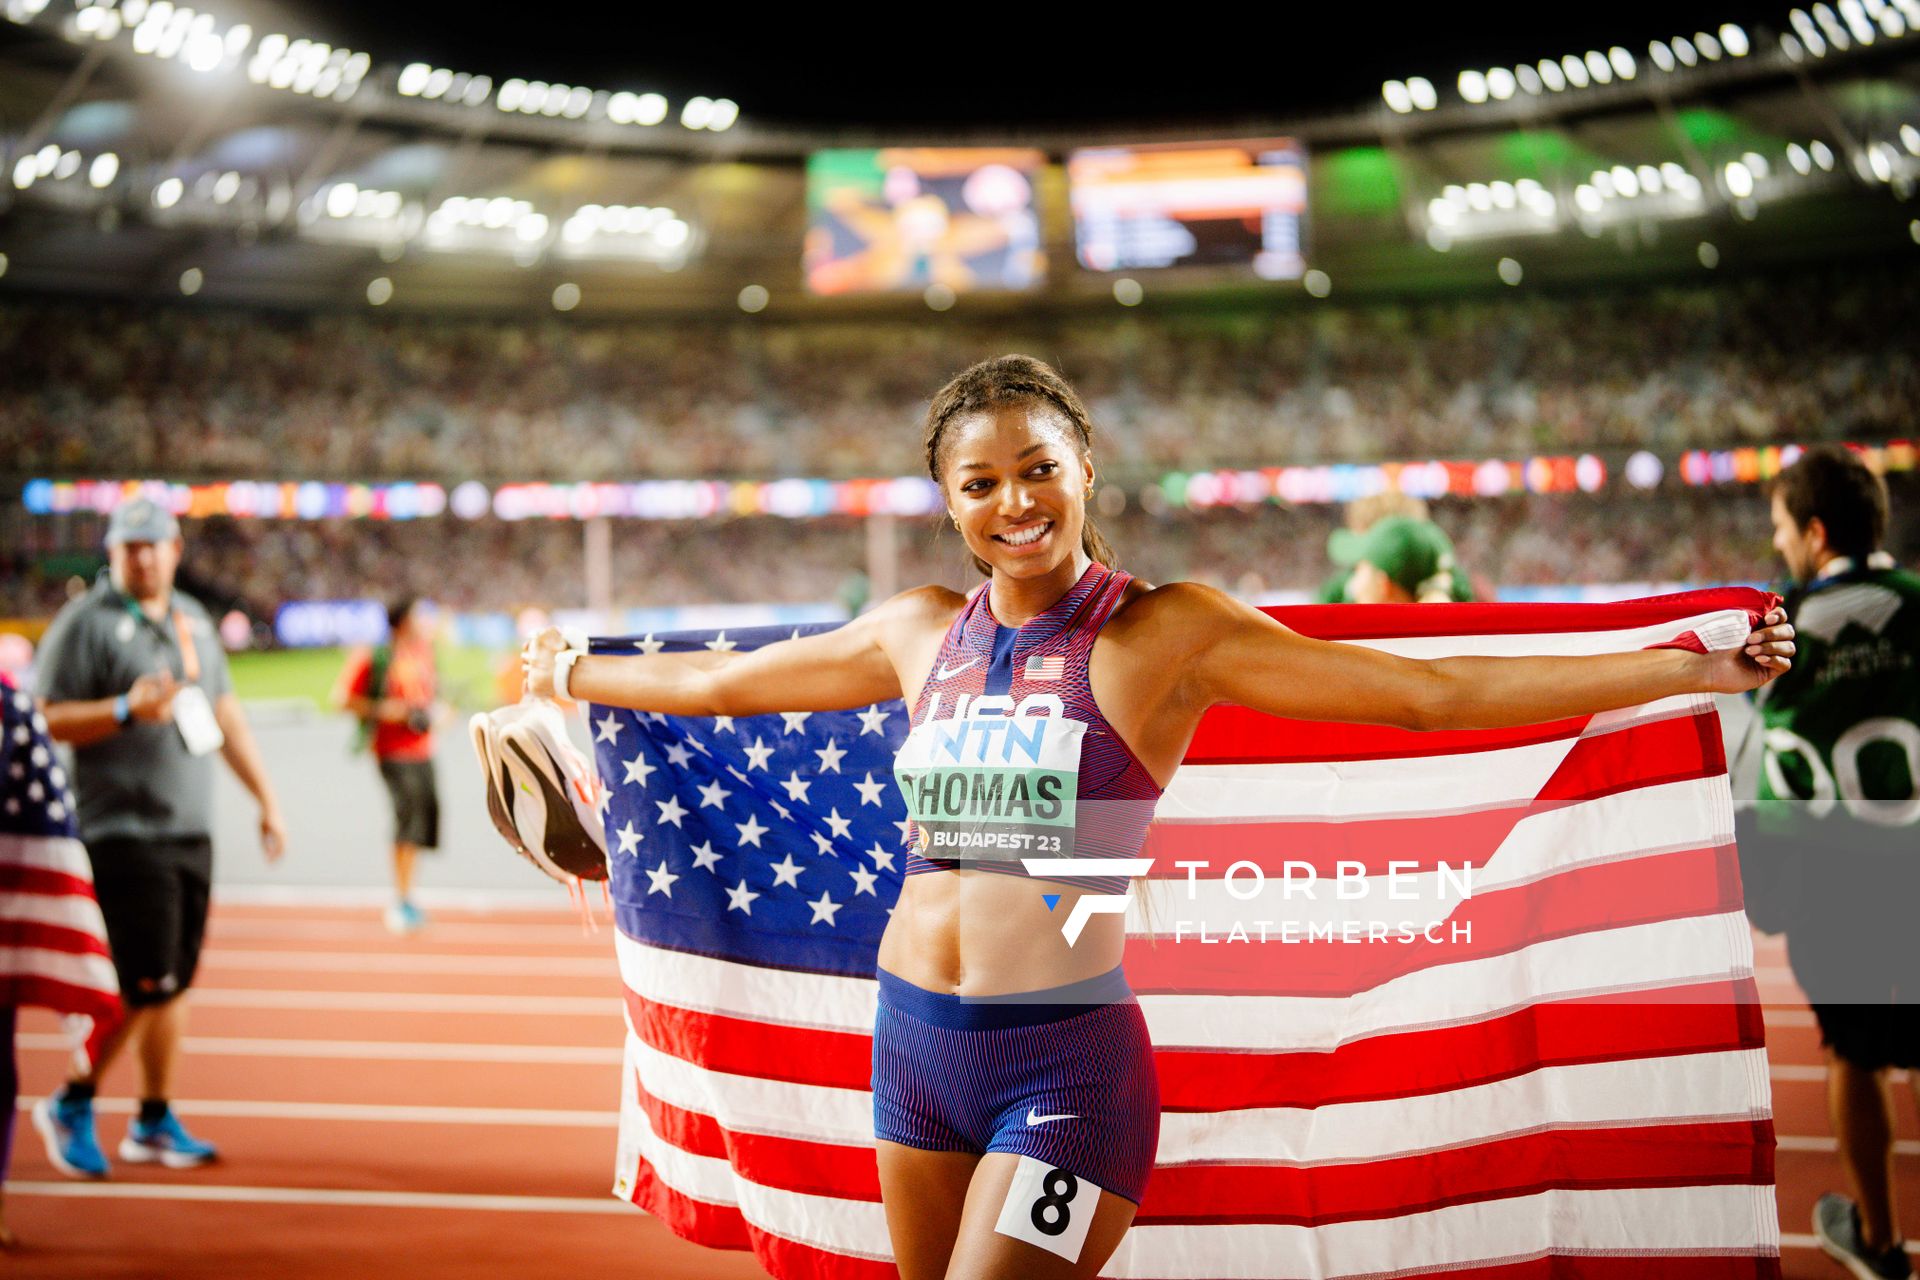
(1009, 756)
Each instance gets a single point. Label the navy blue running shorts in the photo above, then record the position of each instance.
(1065, 1076)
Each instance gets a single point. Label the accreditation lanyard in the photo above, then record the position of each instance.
(189, 655)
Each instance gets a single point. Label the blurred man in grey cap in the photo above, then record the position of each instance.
(133, 677)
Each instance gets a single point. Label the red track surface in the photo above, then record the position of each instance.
(310, 1022)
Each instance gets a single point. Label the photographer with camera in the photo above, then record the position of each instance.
(392, 691)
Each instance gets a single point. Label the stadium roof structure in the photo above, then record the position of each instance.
(151, 150)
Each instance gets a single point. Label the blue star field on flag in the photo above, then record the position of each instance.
(773, 840)
(35, 798)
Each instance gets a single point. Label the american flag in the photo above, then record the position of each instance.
(1578, 1090)
(53, 944)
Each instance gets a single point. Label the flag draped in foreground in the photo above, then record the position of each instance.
(53, 945)
(1573, 1086)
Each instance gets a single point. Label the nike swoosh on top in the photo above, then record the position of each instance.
(1033, 1119)
(947, 673)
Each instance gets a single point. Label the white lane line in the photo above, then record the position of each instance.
(359, 962)
(1794, 1142)
(342, 931)
(371, 1113)
(320, 1196)
(375, 1050)
(404, 1002)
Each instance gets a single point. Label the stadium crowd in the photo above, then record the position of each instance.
(191, 391)
(1670, 536)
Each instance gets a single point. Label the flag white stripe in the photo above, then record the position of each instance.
(1720, 629)
(1632, 959)
(62, 911)
(63, 854)
(90, 971)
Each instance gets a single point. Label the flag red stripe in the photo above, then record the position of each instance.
(1677, 1155)
(742, 1046)
(51, 937)
(723, 1227)
(62, 997)
(18, 878)
(1681, 749)
(1611, 895)
(1701, 1018)
(790, 1164)
(1236, 735)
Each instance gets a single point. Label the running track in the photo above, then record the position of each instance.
(443, 1106)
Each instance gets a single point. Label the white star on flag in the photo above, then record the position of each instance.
(720, 643)
(795, 788)
(638, 770)
(830, 756)
(700, 746)
(870, 791)
(740, 898)
(786, 814)
(863, 881)
(757, 754)
(785, 871)
(609, 729)
(671, 810)
(796, 721)
(56, 811)
(704, 856)
(820, 843)
(842, 827)
(823, 909)
(678, 756)
(751, 831)
(903, 824)
(629, 839)
(649, 645)
(661, 880)
(881, 858)
(723, 724)
(714, 796)
(873, 720)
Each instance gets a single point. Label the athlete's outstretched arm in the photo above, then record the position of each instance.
(851, 666)
(1245, 657)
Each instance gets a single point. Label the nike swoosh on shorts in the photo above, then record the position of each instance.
(1033, 1119)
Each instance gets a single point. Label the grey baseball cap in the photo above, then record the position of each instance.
(141, 520)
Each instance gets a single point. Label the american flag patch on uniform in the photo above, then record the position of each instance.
(1051, 667)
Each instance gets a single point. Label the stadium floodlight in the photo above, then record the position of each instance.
(1622, 63)
(1891, 22)
(67, 165)
(1528, 79)
(1649, 178)
(1822, 154)
(1880, 161)
(1479, 196)
(1756, 164)
(25, 172)
(1910, 139)
(191, 279)
(512, 93)
(341, 198)
(1739, 179)
(1857, 21)
(1425, 96)
(1510, 271)
(1625, 181)
(753, 298)
(379, 291)
(1552, 76)
(1809, 34)
(1709, 47)
(103, 170)
(1797, 157)
(1661, 55)
(1683, 49)
(439, 80)
(566, 296)
(167, 194)
(1598, 67)
(226, 187)
(1503, 194)
(1576, 71)
(1441, 212)
(413, 79)
(671, 233)
(650, 110)
(725, 112)
(1734, 37)
(532, 228)
(1317, 283)
(1501, 84)
(697, 113)
(1831, 28)
(1394, 94)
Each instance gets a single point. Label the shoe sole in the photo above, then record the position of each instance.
(43, 1123)
(140, 1153)
(485, 733)
(1854, 1264)
(567, 848)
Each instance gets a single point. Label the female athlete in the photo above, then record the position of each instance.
(1015, 1103)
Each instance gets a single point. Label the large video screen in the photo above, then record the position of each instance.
(1191, 203)
(905, 218)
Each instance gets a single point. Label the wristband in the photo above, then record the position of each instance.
(563, 672)
(122, 710)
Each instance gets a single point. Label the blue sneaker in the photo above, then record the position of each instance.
(404, 918)
(167, 1142)
(66, 1126)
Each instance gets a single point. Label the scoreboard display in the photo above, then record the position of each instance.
(1191, 203)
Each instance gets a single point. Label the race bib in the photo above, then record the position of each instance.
(994, 782)
(193, 716)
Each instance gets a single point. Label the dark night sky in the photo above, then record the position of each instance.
(1119, 63)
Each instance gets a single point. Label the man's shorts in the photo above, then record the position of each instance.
(416, 802)
(153, 896)
(1071, 1084)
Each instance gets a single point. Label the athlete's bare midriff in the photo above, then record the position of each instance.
(974, 933)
